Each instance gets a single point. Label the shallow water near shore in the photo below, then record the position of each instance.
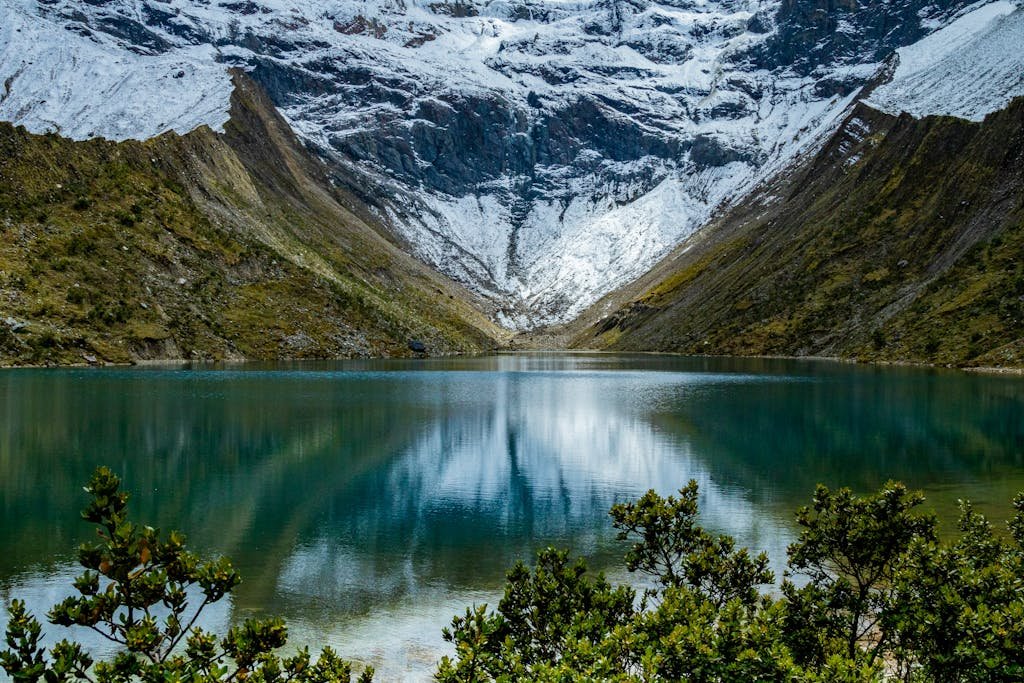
(367, 502)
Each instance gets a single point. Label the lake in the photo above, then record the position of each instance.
(367, 502)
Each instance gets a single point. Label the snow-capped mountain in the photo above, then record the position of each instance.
(968, 69)
(543, 152)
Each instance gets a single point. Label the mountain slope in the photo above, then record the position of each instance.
(541, 152)
(205, 246)
(900, 239)
(967, 69)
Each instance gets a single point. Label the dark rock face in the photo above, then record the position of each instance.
(456, 143)
(170, 20)
(813, 33)
(135, 35)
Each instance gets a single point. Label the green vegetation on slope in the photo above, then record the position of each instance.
(204, 246)
(901, 240)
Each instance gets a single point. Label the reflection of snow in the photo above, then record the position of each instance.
(556, 449)
(402, 641)
(572, 442)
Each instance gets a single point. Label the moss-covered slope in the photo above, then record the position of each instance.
(233, 245)
(903, 239)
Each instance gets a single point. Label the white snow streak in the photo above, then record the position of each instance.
(968, 69)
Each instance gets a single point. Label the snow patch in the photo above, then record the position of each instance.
(54, 80)
(968, 69)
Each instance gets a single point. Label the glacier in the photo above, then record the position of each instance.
(542, 152)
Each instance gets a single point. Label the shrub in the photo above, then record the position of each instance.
(671, 547)
(77, 295)
(134, 592)
(109, 313)
(883, 600)
(851, 549)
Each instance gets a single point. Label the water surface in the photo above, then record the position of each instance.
(369, 501)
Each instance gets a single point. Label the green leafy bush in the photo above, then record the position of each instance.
(879, 598)
(671, 547)
(134, 592)
(851, 550)
(960, 606)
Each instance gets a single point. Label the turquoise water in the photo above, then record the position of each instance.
(369, 501)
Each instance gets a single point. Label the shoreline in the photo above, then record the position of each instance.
(181, 362)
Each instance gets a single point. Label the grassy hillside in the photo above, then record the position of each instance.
(902, 239)
(205, 246)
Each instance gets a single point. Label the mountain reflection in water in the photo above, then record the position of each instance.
(369, 501)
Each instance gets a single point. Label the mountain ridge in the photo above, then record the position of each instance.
(542, 153)
(207, 246)
(545, 156)
(899, 240)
